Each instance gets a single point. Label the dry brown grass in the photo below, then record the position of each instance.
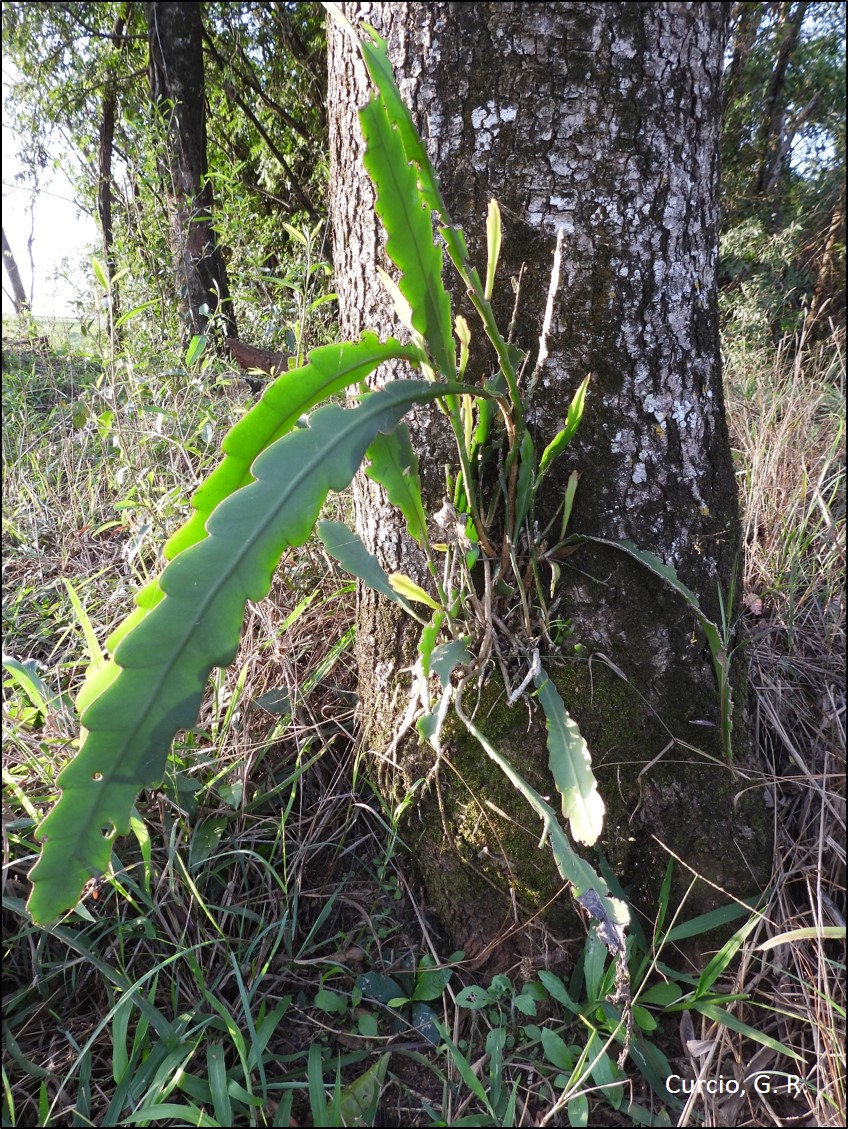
(787, 422)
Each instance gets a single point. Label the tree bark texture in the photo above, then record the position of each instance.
(177, 88)
(601, 120)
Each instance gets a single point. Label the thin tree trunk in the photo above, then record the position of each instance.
(746, 21)
(772, 153)
(18, 293)
(177, 87)
(104, 180)
(826, 286)
(602, 121)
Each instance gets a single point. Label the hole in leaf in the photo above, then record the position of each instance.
(97, 776)
(108, 831)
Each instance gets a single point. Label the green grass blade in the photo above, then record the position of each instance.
(409, 231)
(720, 962)
(165, 661)
(571, 766)
(187, 1114)
(810, 933)
(726, 1019)
(317, 1094)
(265, 1028)
(463, 1066)
(665, 894)
(216, 1068)
(120, 1024)
(715, 919)
(133, 313)
(94, 649)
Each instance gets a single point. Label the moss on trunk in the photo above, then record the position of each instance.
(476, 842)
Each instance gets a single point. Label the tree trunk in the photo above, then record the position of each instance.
(177, 88)
(600, 120)
(773, 153)
(745, 23)
(106, 140)
(18, 293)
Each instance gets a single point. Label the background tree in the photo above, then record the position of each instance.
(18, 293)
(268, 166)
(178, 88)
(783, 162)
(75, 64)
(105, 154)
(601, 122)
(73, 92)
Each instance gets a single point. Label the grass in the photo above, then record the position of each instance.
(259, 953)
(788, 421)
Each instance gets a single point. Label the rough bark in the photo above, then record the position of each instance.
(177, 87)
(602, 120)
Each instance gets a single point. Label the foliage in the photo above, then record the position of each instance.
(202, 634)
(783, 167)
(266, 496)
(211, 937)
(266, 78)
(113, 1013)
(263, 161)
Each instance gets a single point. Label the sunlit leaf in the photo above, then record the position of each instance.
(195, 350)
(571, 766)
(409, 231)
(407, 588)
(572, 421)
(493, 245)
(163, 663)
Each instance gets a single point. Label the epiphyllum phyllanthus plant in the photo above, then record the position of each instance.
(266, 495)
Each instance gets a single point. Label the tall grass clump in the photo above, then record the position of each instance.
(787, 416)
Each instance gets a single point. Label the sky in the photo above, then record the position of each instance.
(60, 229)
